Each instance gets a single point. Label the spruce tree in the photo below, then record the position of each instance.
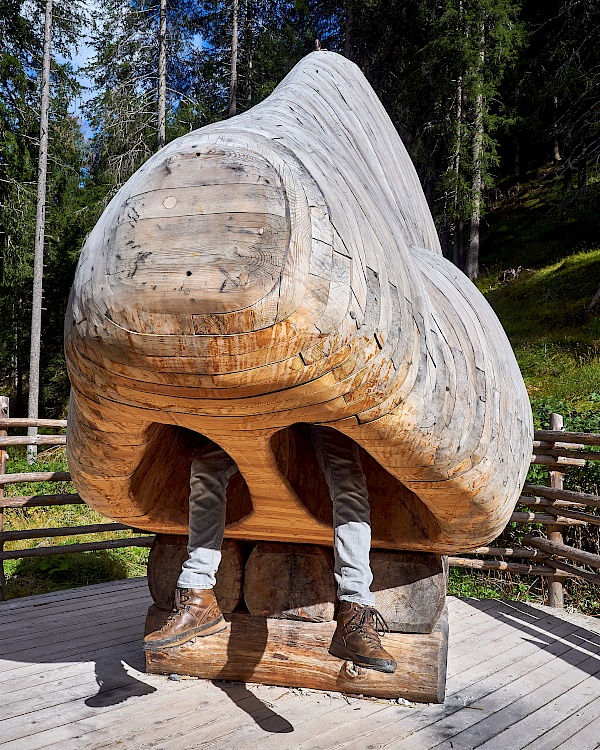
(20, 84)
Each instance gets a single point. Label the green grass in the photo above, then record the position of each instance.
(29, 576)
(580, 595)
(493, 585)
(556, 340)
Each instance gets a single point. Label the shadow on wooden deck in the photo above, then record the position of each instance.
(520, 677)
(580, 647)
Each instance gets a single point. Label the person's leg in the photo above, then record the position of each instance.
(339, 460)
(357, 634)
(209, 477)
(196, 611)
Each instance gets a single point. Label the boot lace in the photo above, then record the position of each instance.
(180, 599)
(370, 624)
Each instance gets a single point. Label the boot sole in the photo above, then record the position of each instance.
(381, 665)
(209, 628)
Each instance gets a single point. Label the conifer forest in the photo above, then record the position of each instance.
(497, 102)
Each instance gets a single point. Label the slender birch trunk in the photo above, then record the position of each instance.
(472, 264)
(40, 222)
(555, 145)
(456, 234)
(233, 83)
(250, 48)
(162, 77)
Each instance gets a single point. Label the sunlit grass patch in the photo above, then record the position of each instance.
(28, 576)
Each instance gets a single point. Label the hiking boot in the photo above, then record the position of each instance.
(195, 613)
(357, 637)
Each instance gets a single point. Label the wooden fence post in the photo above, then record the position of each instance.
(555, 582)
(4, 414)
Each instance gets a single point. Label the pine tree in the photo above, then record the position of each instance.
(558, 92)
(126, 71)
(20, 85)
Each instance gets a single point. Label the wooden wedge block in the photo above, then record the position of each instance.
(292, 581)
(409, 588)
(294, 654)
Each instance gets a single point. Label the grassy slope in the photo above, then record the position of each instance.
(555, 239)
(556, 341)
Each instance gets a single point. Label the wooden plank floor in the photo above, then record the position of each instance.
(71, 676)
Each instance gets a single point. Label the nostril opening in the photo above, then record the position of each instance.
(188, 273)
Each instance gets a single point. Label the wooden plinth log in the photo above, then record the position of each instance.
(294, 654)
(292, 581)
(167, 555)
(409, 588)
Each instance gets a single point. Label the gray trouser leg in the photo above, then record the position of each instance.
(339, 459)
(210, 475)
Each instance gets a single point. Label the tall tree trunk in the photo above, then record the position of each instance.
(233, 83)
(582, 169)
(348, 24)
(456, 233)
(40, 222)
(249, 45)
(556, 148)
(472, 261)
(455, 164)
(18, 356)
(162, 77)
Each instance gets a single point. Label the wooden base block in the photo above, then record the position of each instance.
(290, 581)
(292, 653)
(409, 588)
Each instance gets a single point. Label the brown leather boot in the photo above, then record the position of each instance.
(357, 637)
(195, 613)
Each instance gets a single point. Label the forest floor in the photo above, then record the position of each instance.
(541, 270)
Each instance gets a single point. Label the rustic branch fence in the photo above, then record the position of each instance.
(552, 506)
(36, 501)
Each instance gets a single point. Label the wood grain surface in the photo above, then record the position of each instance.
(277, 269)
(295, 654)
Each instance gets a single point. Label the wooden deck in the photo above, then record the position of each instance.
(71, 677)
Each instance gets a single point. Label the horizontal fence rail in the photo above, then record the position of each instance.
(37, 501)
(551, 506)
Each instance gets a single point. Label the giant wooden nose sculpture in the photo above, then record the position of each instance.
(277, 269)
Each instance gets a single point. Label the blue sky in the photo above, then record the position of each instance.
(79, 60)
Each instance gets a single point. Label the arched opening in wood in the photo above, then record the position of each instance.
(167, 480)
(396, 512)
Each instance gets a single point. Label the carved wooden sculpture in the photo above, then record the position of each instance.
(277, 269)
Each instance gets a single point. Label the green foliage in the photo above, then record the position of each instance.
(493, 585)
(580, 595)
(31, 576)
(20, 66)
